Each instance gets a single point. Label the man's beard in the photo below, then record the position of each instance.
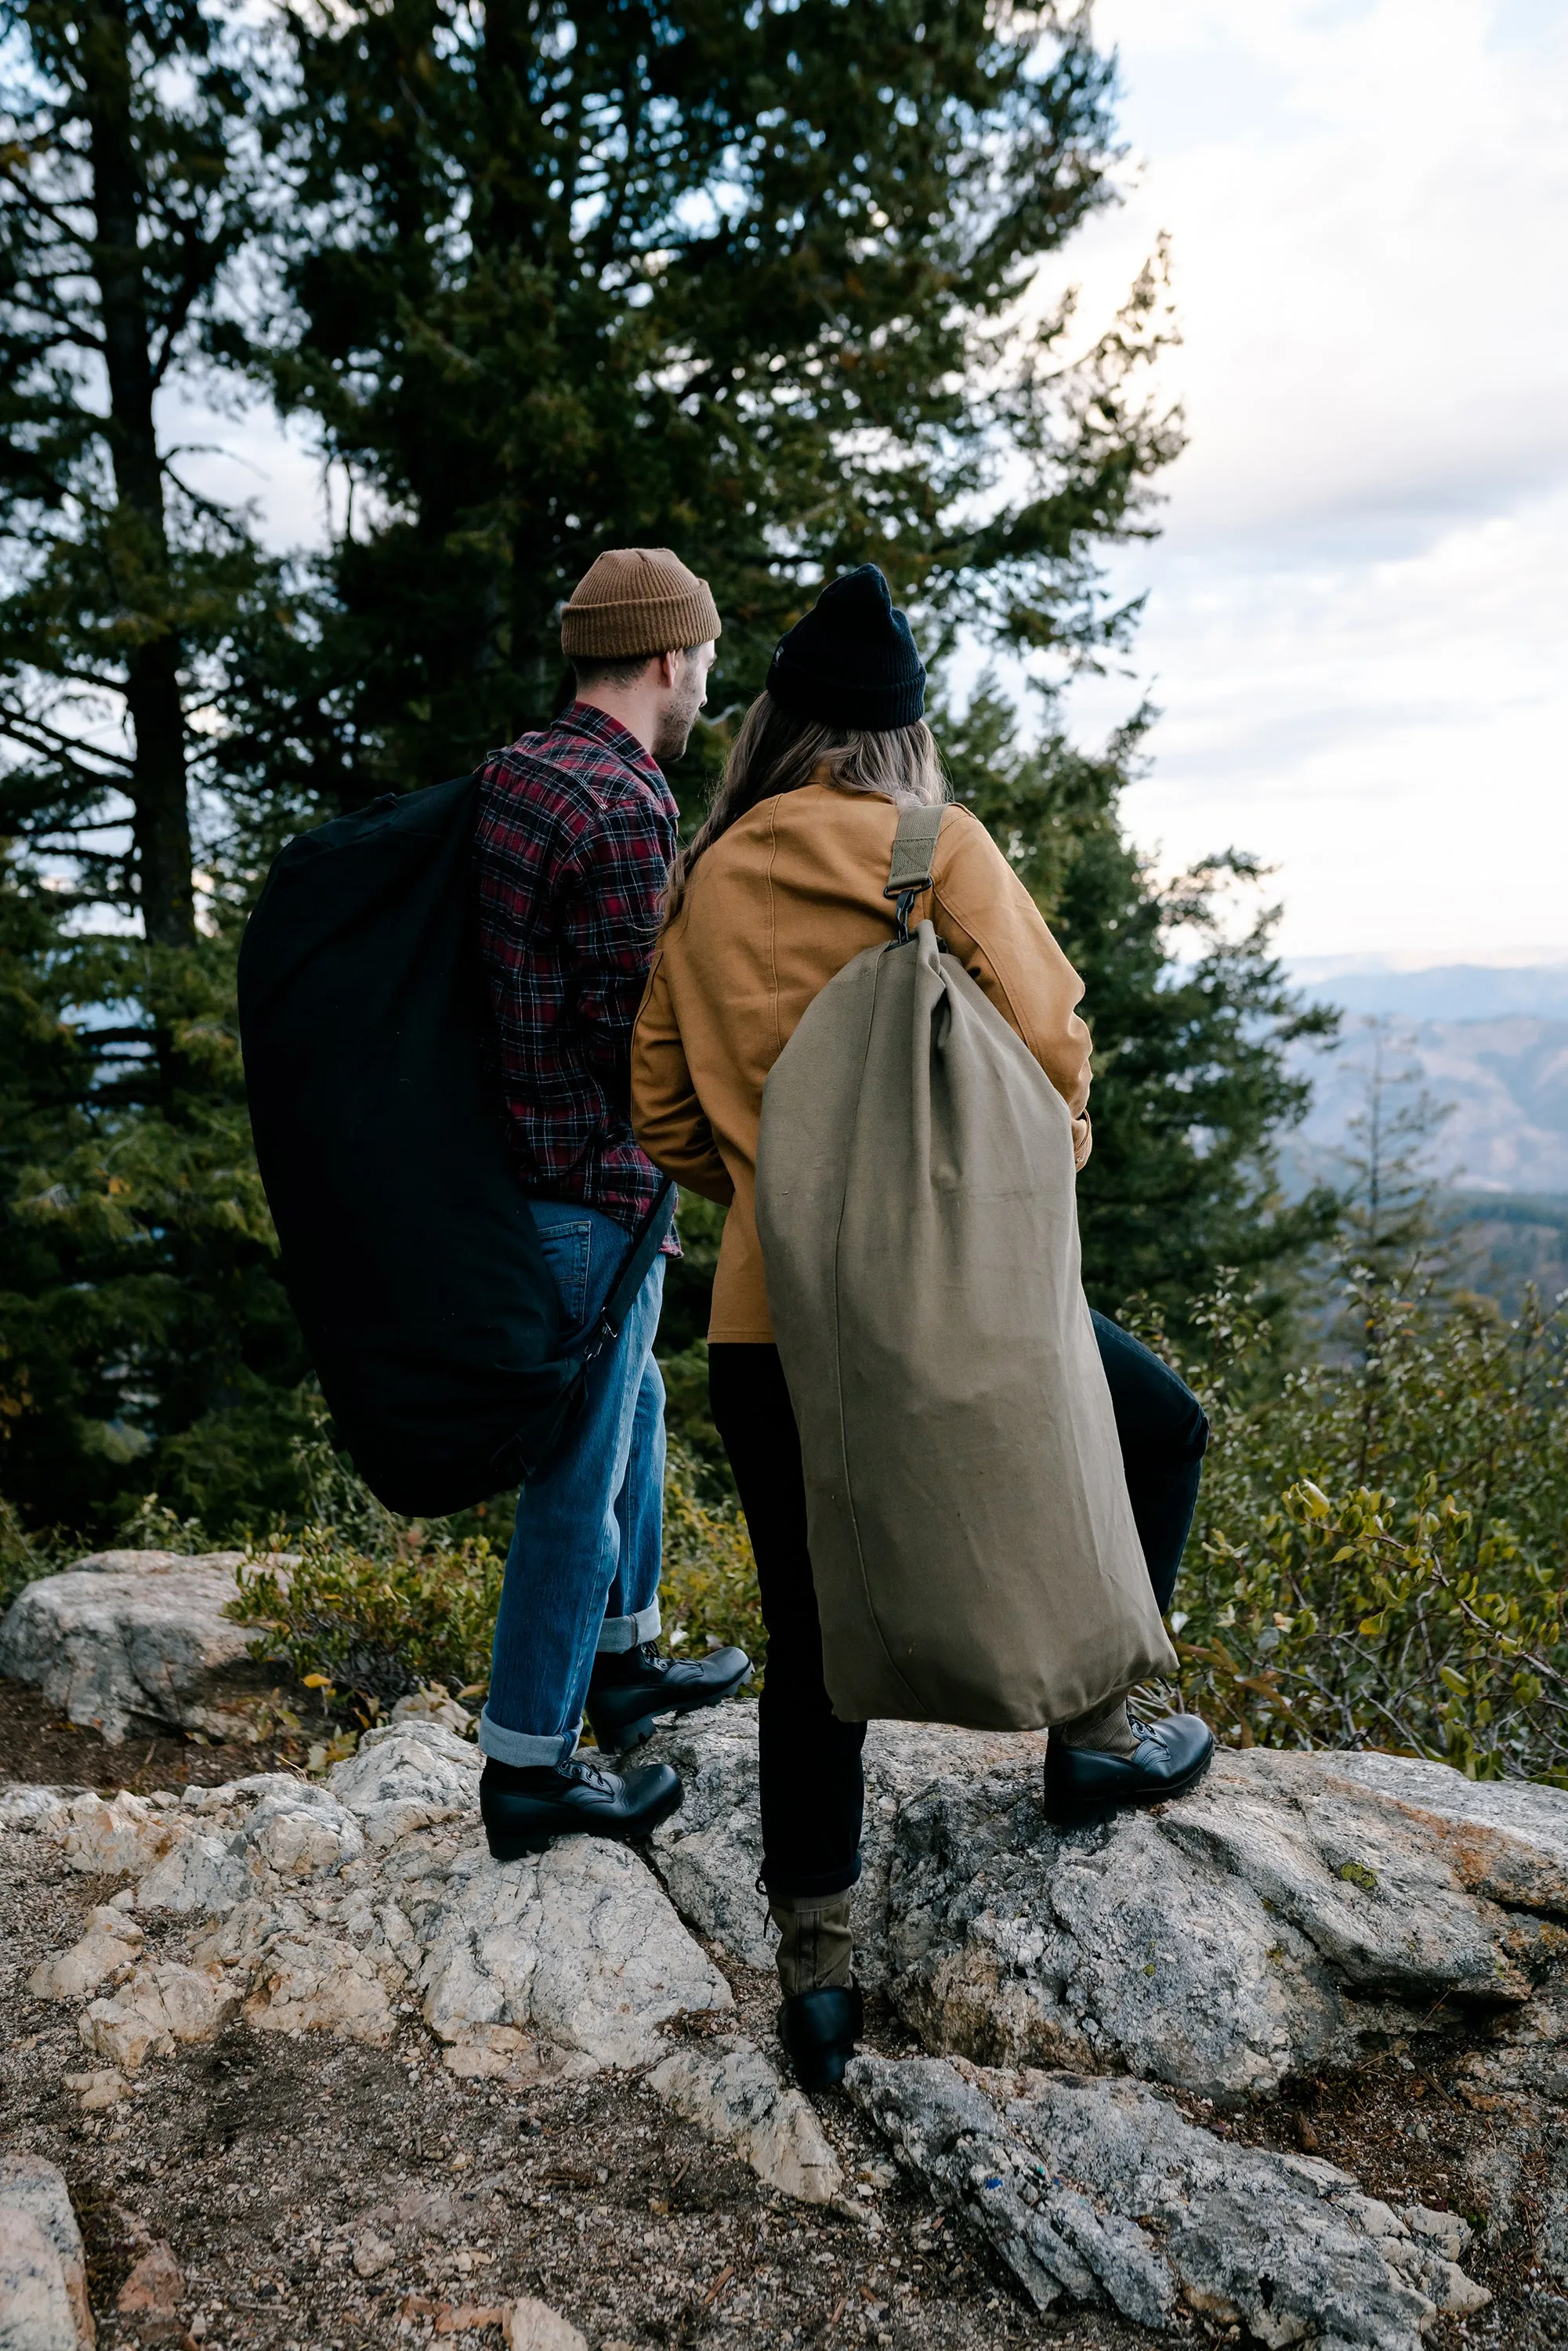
(675, 723)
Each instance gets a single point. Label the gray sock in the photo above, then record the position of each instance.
(1104, 1728)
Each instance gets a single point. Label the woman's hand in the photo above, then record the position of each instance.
(1082, 1138)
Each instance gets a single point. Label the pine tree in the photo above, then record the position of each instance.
(743, 281)
(138, 1301)
(125, 199)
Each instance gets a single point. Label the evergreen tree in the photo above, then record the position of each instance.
(138, 1303)
(740, 280)
(123, 205)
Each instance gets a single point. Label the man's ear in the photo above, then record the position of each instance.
(669, 668)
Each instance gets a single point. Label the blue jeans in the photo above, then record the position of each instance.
(582, 1573)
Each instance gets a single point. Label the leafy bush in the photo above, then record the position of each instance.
(369, 1606)
(364, 1630)
(152, 1525)
(22, 1558)
(1379, 1555)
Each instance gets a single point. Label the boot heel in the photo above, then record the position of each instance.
(635, 1734)
(519, 1848)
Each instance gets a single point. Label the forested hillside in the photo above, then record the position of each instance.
(750, 285)
(1500, 1084)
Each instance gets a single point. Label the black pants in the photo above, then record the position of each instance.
(810, 1763)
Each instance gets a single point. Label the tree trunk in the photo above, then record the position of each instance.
(162, 821)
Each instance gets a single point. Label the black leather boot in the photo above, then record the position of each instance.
(630, 1687)
(819, 2030)
(1084, 1785)
(523, 1810)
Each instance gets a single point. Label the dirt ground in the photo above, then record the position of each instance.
(37, 1744)
(268, 2164)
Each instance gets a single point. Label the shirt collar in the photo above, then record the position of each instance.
(587, 719)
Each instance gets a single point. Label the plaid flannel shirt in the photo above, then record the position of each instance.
(576, 833)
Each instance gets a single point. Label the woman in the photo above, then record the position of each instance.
(782, 887)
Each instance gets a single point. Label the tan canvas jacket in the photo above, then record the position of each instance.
(779, 905)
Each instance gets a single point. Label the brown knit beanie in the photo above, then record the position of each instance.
(637, 599)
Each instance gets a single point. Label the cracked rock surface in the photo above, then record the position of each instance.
(131, 1637)
(1291, 1910)
(1092, 2005)
(1098, 2191)
(338, 1910)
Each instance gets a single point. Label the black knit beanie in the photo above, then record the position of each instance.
(852, 661)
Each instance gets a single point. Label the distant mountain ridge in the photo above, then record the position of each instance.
(1450, 991)
(1505, 1080)
(1490, 1042)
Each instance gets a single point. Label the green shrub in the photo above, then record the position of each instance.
(22, 1559)
(709, 1591)
(1379, 1555)
(152, 1525)
(377, 1605)
(365, 1630)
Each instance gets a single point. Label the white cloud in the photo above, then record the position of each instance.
(1358, 609)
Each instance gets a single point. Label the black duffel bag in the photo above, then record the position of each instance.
(409, 1252)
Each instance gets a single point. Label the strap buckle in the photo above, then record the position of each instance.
(605, 1333)
(910, 868)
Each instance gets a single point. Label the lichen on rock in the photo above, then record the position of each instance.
(1096, 2191)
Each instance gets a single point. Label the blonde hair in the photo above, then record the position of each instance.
(774, 751)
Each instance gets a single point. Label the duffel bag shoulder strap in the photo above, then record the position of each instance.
(913, 855)
(647, 1243)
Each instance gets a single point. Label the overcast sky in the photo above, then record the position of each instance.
(1357, 627)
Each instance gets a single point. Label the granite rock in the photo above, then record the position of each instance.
(1291, 1910)
(728, 2087)
(198, 1877)
(530, 2326)
(709, 1853)
(407, 1776)
(320, 1983)
(124, 1837)
(579, 1945)
(149, 2302)
(164, 2002)
(110, 1943)
(128, 1637)
(1096, 2191)
(300, 1831)
(43, 2272)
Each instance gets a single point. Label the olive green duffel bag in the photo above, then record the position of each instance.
(972, 1542)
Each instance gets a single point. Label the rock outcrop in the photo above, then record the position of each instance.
(132, 1637)
(1086, 1998)
(1289, 1910)
(1095, 2190)
(342, 1909)
(43, 2273)
(730, 2090)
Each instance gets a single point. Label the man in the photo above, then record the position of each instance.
(576, 833)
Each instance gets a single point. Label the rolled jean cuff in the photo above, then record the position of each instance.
(523, 1748)
(619, 1633)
